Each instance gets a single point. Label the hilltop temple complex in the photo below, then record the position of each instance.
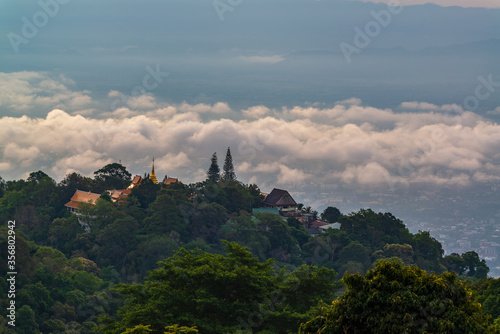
(117, 195)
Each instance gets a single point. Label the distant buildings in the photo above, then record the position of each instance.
(117, 195)
(281, 200)
(80, 197)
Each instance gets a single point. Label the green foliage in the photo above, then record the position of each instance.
(228, 169)
(298, 231)
(73, 182)
(331, 214)
(490, 297)
(403, 252)
(50, 290)
(145, 193)
(112, 176)
(36, 176)
(217, 293)
(213, 172)
(455, 263)
(393, 298)
(139, 329)
(175, 329)
(25, 320)
(375, 229)
(278, 233)
(63, 233)
(475, 267)
(165, 217)
(207, 221)
(357, 253)
(324, 249)
(244, 230)
(428, 251)
(65, 287)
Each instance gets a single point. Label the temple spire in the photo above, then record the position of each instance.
(152, 177)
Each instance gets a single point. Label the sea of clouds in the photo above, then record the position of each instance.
(348, 144)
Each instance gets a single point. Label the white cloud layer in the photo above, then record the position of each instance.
(24, 92)
(347, 144)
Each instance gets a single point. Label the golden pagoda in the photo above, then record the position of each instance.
(152, 177)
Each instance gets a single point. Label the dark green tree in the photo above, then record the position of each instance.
(490, 297)
(455, 263)
(71, 183)
(213, 172)
(2, 187)
(393, 298)
(229, 293)
(112, 176)
(354, 252)
(114, 241)
(324, 249)
(298, 231)
(63, 232)
(475, 267)
(145, 193)
(164, 217)
(207, 221)
(375, 229)
(36, 176)
(198, 289)
(228, 169)
(278, 233)
(428, 252)
(244, 230)
(331, 214)
(25, 322)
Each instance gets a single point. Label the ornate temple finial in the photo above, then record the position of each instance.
(152, 177)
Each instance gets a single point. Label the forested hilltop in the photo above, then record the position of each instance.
(176, 258)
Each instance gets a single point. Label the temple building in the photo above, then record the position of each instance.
(152, 177)
(170, 180)
(79, 197)
(135, 182)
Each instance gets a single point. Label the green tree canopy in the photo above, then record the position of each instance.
(213, 172)
(36, 176)
(222, 294)
(228, 169)
(393, 298)
(331, 214)
(474, 266)
(112, 176)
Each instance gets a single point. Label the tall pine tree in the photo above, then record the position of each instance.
(228, 167)
(213, 171)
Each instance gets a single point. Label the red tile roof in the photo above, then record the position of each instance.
(81, 196)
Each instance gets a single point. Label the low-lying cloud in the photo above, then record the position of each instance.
(349, 144)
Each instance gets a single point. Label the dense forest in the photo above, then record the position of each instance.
(183, 258)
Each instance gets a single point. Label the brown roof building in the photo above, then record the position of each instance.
(281, 199)
(80, 197)
(119, 195)
(170, 180)
(135, 182)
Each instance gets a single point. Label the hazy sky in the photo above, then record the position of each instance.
(444, 3)
(304, 92)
